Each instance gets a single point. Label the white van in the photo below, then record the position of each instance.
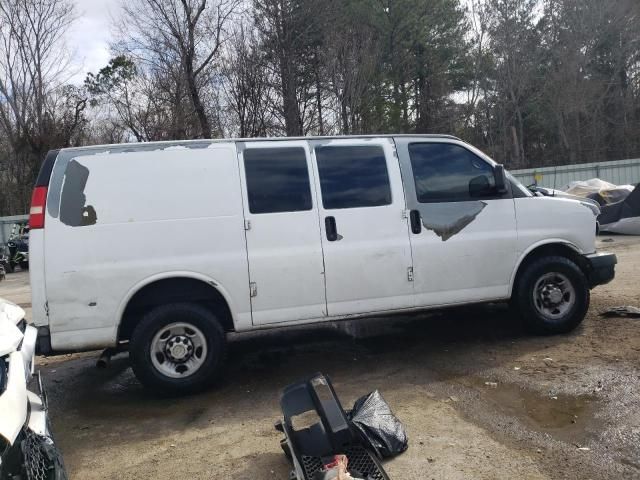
(165, 247)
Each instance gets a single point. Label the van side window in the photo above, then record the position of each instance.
(353, 176)
(444, 172)
(277, 180)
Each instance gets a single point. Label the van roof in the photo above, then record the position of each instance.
(202, 142)
(46, 168)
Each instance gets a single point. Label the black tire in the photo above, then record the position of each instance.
(161, 316)
(535, 320)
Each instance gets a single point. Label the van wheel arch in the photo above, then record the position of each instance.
(549, 250)
(174, 290)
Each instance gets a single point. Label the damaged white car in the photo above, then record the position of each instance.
(27, 451)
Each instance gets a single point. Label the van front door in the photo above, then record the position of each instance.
(365, 239)
(282, 232)
(466, 249)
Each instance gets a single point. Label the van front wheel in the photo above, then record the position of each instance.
(177, 348)
(552, 295)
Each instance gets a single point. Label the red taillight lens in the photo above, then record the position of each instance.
(38, 201)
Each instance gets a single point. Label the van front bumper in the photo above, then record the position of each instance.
(601, 268)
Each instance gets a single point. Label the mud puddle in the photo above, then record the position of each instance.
(569, 418)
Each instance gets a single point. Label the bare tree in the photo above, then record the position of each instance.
(515, 44)
(37, 112)
(187, 32)
(350, 57)
(247, 85)
(290, 31)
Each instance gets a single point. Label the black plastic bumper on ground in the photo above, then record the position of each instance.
(315, 444)
(601, 268)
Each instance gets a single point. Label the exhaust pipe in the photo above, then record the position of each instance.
(104, 360)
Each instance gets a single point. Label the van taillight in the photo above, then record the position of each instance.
(36, 214)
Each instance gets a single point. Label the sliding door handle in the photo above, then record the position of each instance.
(331, 229)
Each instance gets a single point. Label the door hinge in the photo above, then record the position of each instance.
(405, 214)
(253, 289)
(410, 274)
(247, 224)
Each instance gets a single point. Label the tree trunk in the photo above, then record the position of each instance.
(405, 108)
(516, 147)
(289, 98)
(422, 105)
(521, 138)
(319, 100)
(345, 116)
(205, 127)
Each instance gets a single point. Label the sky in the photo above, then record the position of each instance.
(89, 36)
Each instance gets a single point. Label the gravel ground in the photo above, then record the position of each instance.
(556, 407)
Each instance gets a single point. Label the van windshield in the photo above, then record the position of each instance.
(524, 191)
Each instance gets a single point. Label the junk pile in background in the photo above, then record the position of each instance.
(619, 204)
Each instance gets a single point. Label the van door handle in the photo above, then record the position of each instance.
(331, 229)
(416, 224)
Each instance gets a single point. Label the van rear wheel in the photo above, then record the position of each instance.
(177, 348)
(552, 295)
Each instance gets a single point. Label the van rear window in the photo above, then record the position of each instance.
(277, 180)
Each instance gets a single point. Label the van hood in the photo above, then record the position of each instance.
(584, 201)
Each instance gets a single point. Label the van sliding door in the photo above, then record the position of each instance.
(282, 232)
(365, 238)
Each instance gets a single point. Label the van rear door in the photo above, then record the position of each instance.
(124, 217)
(365, 238)
(282, 232)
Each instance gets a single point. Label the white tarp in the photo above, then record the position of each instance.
(585, 188)
(624, 226)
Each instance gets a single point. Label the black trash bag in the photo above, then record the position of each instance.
(378, 426)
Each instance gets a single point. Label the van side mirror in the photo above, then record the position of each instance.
(500, 178)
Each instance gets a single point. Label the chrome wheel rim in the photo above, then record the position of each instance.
(178, 350)
(554, 295)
